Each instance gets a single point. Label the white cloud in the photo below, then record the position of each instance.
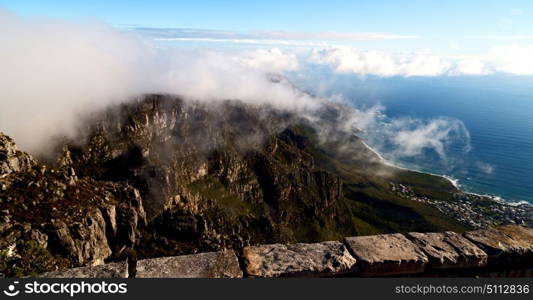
(485, 167)
(409, 137)
(513, 59)
(413, 136)
(422, 65)
(471, 66)
(398, 138)
(273, 60)
(52, 71)
(350, 60)
(508, 59)
(345, 59)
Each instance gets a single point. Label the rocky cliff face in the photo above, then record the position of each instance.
(51, 218)
(212, 177)
(11, 159)
(159, 176)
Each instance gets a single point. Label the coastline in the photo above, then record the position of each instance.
(455, 182)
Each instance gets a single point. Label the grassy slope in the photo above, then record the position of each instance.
(374, 208)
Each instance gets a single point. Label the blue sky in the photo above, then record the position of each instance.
(407, 17)
(383, 38)
(439, 25)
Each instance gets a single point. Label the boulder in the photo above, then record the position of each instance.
(223, 264)
(124, 218)
(111, 270)
(386, 254)
(83, 243)
(505, 245)
(446, 250)
(11, 159)
(80, 219)
(281, 260)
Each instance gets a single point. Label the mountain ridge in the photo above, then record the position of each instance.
(162, 176)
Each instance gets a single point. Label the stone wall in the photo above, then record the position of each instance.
(502, 251)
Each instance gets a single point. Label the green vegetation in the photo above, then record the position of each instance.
(30, 259)
(211, 189)
(374, 207)
(367, 205)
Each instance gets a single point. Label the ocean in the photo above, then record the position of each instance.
(497, 111)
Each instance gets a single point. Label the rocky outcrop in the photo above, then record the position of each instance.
(215, 176)
(279, 260)
(86, 222)
(110, 270)
(123, 218)
(11, 159)
(83, 243)
(70, 220)
(223, 264)
(386, 254)
(510, 244)
(448, 250)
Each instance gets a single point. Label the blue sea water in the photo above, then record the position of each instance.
(497, 111)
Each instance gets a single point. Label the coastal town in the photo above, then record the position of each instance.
(476, 211)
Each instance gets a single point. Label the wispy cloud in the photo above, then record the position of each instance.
(411, 136)
(485, 167)
(335, 36)
(263, 42)
(258, 36)
(406, 137)
(509, 37)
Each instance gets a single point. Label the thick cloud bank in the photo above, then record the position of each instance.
(52, 71)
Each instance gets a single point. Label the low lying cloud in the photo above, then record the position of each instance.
(272, 60)
(411, 137)
(471, 66)
(510, 59)
(486, 167)
(401, 138)
(513, 59)
(53, 71)
(351, 60)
